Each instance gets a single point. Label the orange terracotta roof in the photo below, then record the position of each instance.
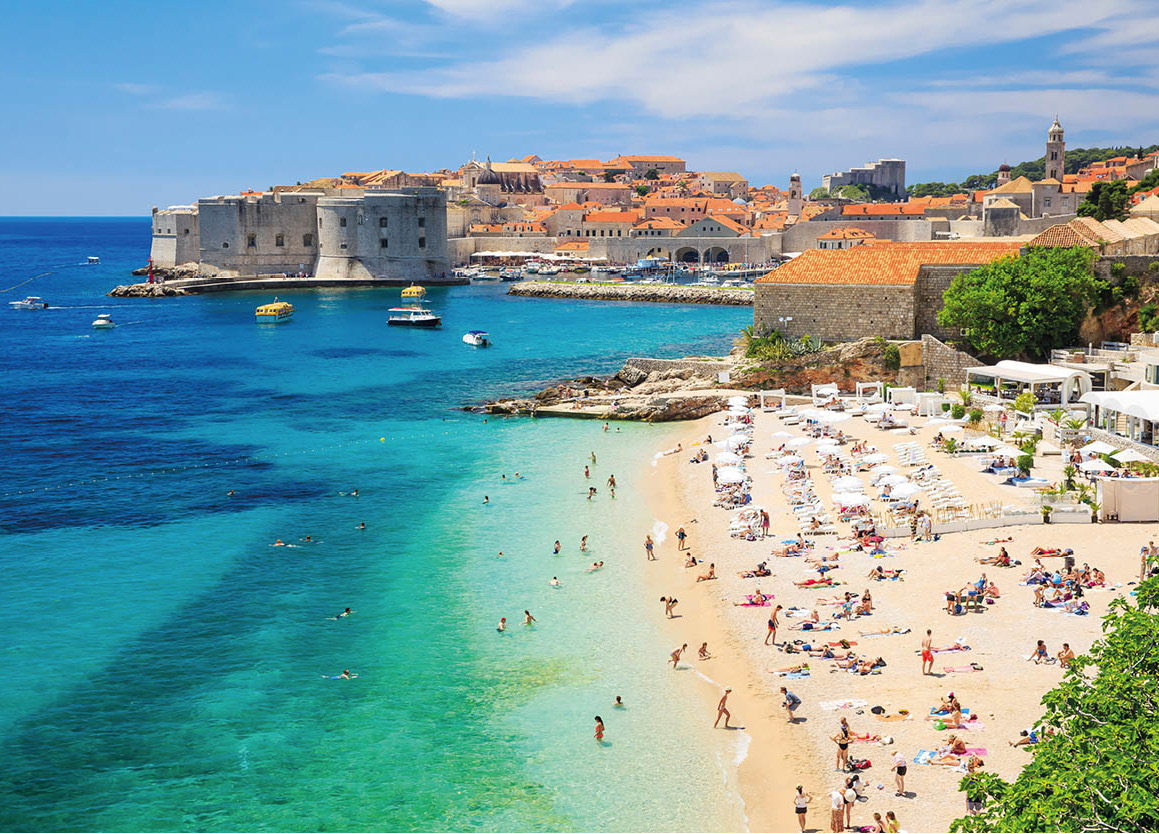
(660, 223)
(570, 207)
(573, 246)
(846, 233)
(884, 262)
(635, 158)
(611, 217)
(1063, 235)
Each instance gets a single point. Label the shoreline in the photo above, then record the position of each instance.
(655, 293)
(765, 783)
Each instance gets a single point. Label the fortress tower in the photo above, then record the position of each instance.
(1055, 151)
(795, 194)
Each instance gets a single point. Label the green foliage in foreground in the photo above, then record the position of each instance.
(1023, 306)
(1100, 769)
(774, 347)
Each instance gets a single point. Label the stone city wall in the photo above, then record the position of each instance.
(802, 236)
(943, 361)
(836, 312)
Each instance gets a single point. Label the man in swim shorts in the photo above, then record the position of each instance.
(927, 653)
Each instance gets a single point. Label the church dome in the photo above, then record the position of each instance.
(488, 177)
(1003, 167)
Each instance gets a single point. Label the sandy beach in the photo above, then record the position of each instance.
(993, 680)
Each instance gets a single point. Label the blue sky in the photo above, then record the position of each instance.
(115, 107)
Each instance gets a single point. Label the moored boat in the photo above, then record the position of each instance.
(477, 338)
(414, 291)
(273, 313)
(412, 317)
(104, 322)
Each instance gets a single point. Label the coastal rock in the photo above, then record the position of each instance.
(662, 293)
(631, 376)
(164, 273)
(146, 291)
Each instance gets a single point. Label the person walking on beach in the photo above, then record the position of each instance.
(680, 537)
(899, 770)
(722, 709)
(837, 811)
(790, 704)
(765, 523)
(773, 623)
(648, 547)
(669, 605)
(801, 805)
(674, 658)
(928, 653)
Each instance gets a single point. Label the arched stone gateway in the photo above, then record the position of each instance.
(716, 255)
(687, 255)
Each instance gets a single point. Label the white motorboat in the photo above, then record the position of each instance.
(412, 317)
(510, 275)
(104, 322)
(32, 302)
(93, 259)
(477, 338)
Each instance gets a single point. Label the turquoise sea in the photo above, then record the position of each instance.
(164, 663)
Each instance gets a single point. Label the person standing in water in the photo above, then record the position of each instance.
(502, 624)
(556, 547)
(584, 545)
(527, 618)
(593, 458)
(611, 482)
(599, 729)
(722, 709)
(587, 474)
(674, 658)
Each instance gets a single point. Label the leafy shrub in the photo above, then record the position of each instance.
(892, 357)
(1024, 402)
(1131, 286)
(941, 385)
(1117, 270)
(945, 406)
(1025, 463)
(975, 415)
(958, 411)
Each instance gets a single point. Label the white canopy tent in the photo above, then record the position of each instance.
(824, 393)
(1139, 410)
(768, 398)
(870, 392)
(1050, 384)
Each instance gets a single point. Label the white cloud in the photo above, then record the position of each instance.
(484, 9)
(195, 101)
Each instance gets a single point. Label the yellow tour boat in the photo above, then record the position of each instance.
(414, 291)
(274, 313)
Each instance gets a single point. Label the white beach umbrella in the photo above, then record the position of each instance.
(738, 400)
(847, 483)
(834, 417)
(1096, 465)
(893, 480)
(884, 469)
(727, 459)
(850, 499)
(1131, 456)
(736, 441)
(905, 491)
(1007, 451)
(992, 407)
(876, 457)
(984, 441)
(730, 475)
(951, 429)
(791, 460)
(1098, 447)
(799, 442)
(782, 435)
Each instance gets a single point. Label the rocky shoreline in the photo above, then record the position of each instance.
(660, 293)
(146, 291)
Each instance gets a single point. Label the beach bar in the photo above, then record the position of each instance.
(1050, 384)
(1130, 414)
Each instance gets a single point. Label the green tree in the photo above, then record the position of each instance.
(1096, 766)
(1023, 306)
(643, 190)
(891, 357)
(856, 193)
(1106, 201)
(651, 174)
(819, 193)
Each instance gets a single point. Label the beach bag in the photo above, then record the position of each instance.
(957, 608)
(855, 765)
(878, 710)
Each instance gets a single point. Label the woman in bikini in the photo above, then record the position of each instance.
(842, 740)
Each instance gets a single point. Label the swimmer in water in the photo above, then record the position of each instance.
(584, 545)
(278, 543)
(619, 704)
(346, 675)
(591, 492)
(500, 552)
(527, 618)
(502, 624)
(486, 499)
(308, 540)
(354, 493)
(229, 493)
(362, 526)
(503, 478)
(587, 474)
(556, 547)
(595, 566)
(345, 613)
(518, 477)
(553, 582)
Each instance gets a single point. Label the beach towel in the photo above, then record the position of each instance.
(888, 634)
(976, 751)
(924, 757)
(751, 604)
(936, 711)
(895, 718)
(797, 612)
(792, 675)
(843, 643)
(853, 703)
(961, 670)
(946, 651)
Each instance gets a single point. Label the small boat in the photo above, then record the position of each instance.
(104, 322)
(273, 313)
(414, 291)
(32, 302)
(509, 275)
(412, 317)
(478, 338)
(549, 270)
(582, 268)
(93, 259)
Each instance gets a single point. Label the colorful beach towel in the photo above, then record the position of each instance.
(751, 604)
(961, 670)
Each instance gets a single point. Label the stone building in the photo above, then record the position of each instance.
(1055, 153)
(176, 236)
(726, 183)
(845, 237)
(341, 233)
(888, 174)
(640, 165)
(888, 289)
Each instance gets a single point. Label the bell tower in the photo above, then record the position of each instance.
(794, 205)
(1055, 152)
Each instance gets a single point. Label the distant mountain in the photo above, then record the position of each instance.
(1035, 169)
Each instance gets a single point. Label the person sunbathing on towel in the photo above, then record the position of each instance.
(704, 577)
(790, 670)
(953, 720)
(1002, 560)
(886, 630)
(823, 582)
(1098, 579)
(867, 667)
(1051, 551)
(956, 647)
(954, 747)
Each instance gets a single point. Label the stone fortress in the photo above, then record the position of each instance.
(390, 236)
(886, 174)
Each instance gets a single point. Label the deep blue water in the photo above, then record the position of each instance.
(164, 663)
